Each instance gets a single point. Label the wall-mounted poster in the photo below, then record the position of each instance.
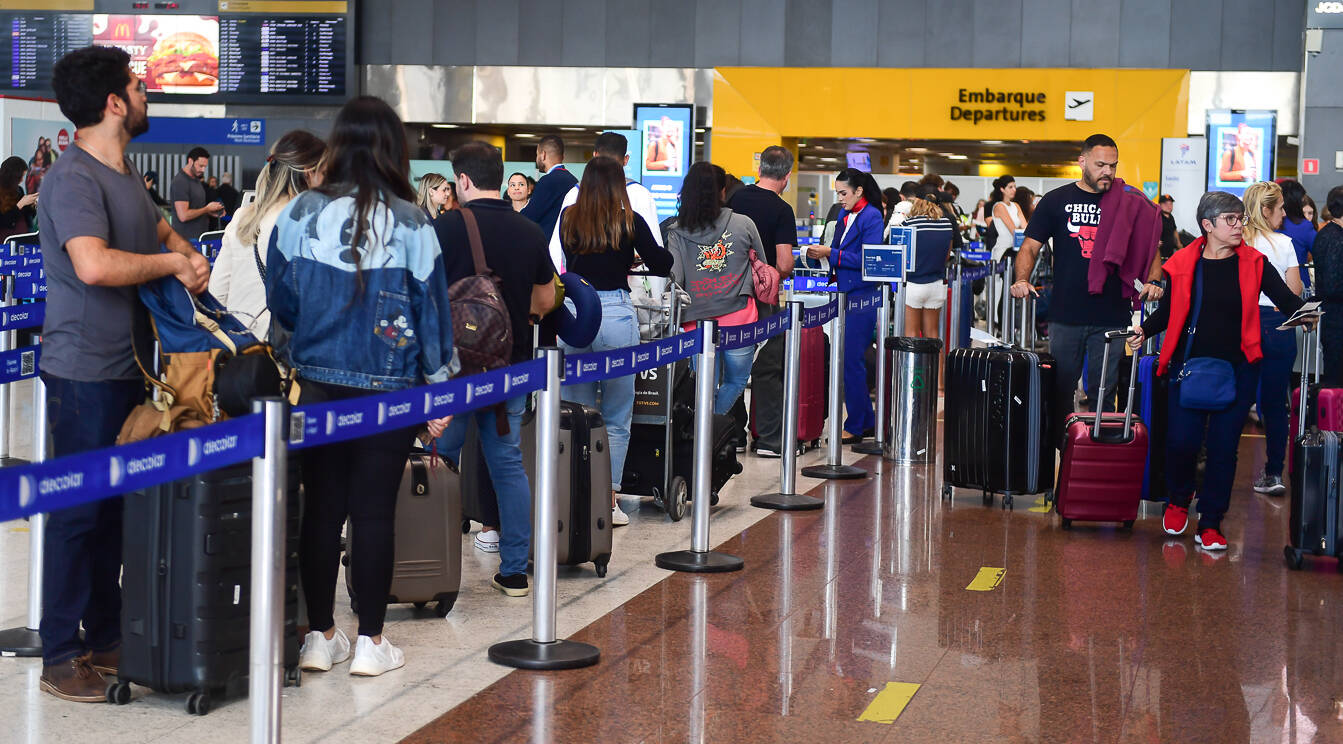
(667, 143)
(1241, 149)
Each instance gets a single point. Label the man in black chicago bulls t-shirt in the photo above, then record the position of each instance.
(1070, 216)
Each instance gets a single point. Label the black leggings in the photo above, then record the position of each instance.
(358, 479)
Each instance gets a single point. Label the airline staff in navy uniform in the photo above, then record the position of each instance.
(861, 223)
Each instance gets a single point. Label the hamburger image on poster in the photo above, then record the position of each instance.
(172, 54)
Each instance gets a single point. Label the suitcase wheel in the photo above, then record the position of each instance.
(119, 693)
(444, 604)
(946, 490)
(1128, 524)
(1294, 558)
(1067, 524)
(1007, 502)
(466, 526)
(293, 677)
(601, 566)
(675, 502)
(421, 605)
(198, 703)
(988, 499)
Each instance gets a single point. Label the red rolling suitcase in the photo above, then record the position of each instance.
(1103, 461)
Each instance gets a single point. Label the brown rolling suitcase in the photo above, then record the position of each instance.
(428, 563)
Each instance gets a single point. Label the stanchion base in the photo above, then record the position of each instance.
(868, 448)
(834, 472)
(787, 501)
(20, 641)
(528, 654)
(692, 562)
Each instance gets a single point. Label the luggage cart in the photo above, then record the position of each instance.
(660, 459)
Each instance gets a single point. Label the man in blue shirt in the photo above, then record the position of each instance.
(544, 207)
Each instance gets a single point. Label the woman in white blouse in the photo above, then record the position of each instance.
(1264, 212)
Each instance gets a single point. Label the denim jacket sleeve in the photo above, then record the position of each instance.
(429, 302)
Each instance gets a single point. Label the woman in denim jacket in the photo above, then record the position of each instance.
(359, 305)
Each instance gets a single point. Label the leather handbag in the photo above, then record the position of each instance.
(1205, 383)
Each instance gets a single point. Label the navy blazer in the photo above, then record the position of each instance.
(544, 207)
(846, 255)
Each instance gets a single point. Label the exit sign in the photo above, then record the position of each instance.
(1310, 166)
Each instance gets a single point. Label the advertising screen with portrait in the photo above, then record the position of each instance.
(667, 143)
(1241, 149)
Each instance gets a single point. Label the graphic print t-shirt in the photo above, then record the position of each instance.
(1070, 217)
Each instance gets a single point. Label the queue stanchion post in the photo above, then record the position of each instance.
(834, 467)
(24, 641)
(878, 443)
(901, 288)
(270, 474)
(543, 650)
(6, 300)
(700, 559)
(956, 290)
(787, 499)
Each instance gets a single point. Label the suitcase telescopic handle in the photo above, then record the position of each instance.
(1306, 364)
(1132, 385)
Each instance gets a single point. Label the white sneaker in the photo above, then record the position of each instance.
(487, 541)
(319, 655)
(372, 659)
(618, 517)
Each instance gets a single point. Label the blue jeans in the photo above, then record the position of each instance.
(503, 457)
(1188, 430)
(1275, 379)
(620, 329)
(858, 330)
(82, 561)
(732, 369)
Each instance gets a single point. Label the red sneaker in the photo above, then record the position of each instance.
(1175, 520)
(1210, 538)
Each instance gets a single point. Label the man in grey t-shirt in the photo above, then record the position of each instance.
(101, 236)
(192, 207)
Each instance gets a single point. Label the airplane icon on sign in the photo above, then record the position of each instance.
(1079, 105)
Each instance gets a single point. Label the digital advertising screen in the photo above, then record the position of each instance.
(238, 57)
(860, 160)
(667, 143)
(1241, 149)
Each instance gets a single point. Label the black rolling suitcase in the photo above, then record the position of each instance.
(996, 422)
(186, 587)
(583, 488)
(1316, 519)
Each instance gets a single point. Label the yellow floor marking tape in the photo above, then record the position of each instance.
(988, 579)
(1041, 506)
(890, 702)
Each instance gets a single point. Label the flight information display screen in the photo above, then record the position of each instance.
(224, 58)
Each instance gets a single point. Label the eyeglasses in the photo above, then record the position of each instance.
(1232, 220)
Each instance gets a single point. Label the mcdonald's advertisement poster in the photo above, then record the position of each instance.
(172, 54)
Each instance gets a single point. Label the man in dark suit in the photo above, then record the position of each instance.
(544, 207)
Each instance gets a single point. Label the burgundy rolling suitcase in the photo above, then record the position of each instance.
(811, 398)
(1103, 461)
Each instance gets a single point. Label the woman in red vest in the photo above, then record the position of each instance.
(1211, 355)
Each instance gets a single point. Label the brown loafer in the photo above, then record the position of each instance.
(75, 680)
(106, 662)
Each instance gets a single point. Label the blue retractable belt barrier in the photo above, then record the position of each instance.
(22, 316)
(90, 476)
(818, 316)
(337, 421)
(30, 289)
(739, 337)
(864, 299)
(970, 274)
(19, 364)
(606, 365)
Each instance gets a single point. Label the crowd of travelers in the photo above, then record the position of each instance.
(344, 266)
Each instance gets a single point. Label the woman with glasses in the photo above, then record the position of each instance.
(1215, 286)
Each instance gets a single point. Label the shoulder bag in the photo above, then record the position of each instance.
(1206, 383)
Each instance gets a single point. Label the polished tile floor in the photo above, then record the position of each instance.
(1091, 635)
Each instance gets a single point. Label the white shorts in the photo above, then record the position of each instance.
(930, 296)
